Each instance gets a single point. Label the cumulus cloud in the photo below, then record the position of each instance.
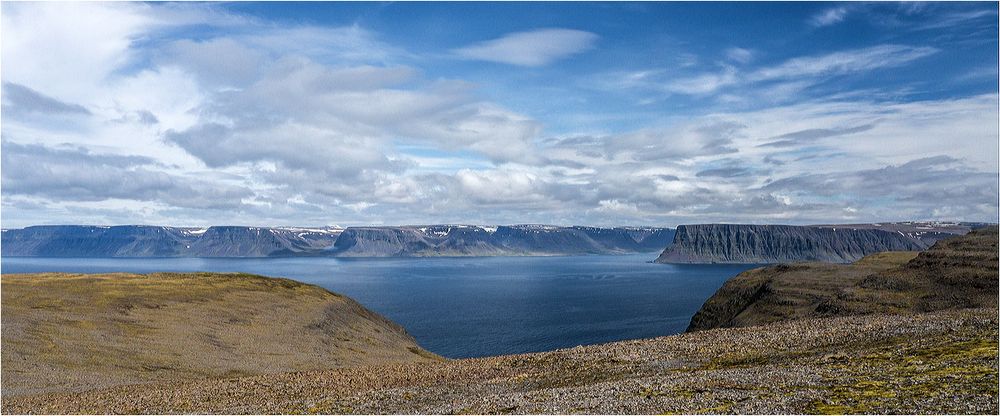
(533, 48)
(306, 115)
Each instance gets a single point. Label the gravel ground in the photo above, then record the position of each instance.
(931, 363)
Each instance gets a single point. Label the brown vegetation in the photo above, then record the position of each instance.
(72, 332)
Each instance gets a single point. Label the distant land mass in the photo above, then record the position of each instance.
(382, 241)
(515, 240)
(749, 244)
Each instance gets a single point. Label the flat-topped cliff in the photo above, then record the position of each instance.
(750, 244)
(383, 241)
(512, 240)
(157, 241)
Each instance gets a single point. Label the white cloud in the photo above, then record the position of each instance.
(739, 55)
(80, 45)
(829, 16)
(793, 75)
(534, 48)
(703, 84)
(843, 62)
(261, 124)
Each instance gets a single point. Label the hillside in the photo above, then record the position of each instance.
(958, 272)
(70, 332)
(760, 244)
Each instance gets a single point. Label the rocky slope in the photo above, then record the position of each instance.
(404, 241)
(958, 272)
(514, 240)
(69, 332)
(155, 241)
(931, 363)
(750, 244)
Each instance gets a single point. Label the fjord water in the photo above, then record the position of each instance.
(479, 306)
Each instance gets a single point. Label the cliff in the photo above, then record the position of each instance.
(955, 273)
(514, 240)
(752, 244)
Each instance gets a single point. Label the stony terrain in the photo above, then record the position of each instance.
(65, 332)
(760, 244)
(938, 363)
(958, 272)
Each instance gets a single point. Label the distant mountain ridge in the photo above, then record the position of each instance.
(512, 240)
(157, 241)
(748, 244)
(382, 241)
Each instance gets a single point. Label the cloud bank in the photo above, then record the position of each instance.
(141, 115)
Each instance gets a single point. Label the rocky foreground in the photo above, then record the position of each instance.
(939, 363)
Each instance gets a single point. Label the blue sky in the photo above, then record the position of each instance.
(565, 113)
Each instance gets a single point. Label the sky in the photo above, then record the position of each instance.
(307, 114)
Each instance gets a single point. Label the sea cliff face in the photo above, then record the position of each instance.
(403, 241)
(514, 240)
(741, 243)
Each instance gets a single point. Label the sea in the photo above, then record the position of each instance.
(461, 307)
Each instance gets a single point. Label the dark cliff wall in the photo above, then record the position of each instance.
(740, 243)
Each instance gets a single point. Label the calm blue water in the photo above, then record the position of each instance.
(472, 307)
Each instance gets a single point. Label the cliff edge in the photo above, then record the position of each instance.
(762, 244)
